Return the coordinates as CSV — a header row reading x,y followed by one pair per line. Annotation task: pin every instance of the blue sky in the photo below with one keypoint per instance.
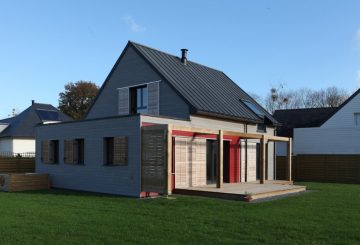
x,y
45,44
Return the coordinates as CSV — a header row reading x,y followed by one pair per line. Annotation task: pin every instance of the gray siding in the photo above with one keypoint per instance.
x,y
93,175
133,70
171,104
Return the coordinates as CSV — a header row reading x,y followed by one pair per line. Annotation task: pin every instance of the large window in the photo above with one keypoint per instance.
x,y
357,119
50,151
139,100
74,151
116,151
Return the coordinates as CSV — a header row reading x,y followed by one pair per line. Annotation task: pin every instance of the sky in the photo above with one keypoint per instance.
x,y
258,44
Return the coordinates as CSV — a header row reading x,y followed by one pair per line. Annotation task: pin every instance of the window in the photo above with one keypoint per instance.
x,y
261,127
74,151
116,151
357,119
50,151
139,100
256,109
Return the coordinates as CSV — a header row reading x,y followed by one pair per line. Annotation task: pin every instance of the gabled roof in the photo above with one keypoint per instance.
x,y
208,91
343,104
23,125
301,118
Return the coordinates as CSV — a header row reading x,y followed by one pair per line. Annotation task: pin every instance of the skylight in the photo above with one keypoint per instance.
x,y
47,115
254,108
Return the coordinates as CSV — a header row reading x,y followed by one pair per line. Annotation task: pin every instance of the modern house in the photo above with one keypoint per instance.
x,y
161,122
338,135
299,118
17,134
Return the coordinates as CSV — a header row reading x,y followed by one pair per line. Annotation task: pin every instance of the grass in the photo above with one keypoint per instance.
x,y
328,215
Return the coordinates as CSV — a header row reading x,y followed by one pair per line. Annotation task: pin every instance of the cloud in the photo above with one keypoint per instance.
x,y
134,27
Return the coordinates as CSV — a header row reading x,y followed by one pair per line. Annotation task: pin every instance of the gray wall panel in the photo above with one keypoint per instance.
x,y
94,176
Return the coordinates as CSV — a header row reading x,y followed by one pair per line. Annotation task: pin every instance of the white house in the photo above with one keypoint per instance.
x,y
17,134
338,135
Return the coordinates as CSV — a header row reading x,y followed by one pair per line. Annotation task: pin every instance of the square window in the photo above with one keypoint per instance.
x,y
50,151
116,151
74,151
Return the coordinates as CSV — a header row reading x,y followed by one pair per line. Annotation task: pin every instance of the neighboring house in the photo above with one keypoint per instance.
x,y
339,134
156,124
17,134
299,118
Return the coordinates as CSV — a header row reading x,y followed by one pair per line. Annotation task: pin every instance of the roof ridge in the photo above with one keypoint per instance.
x,y
189,61
311,108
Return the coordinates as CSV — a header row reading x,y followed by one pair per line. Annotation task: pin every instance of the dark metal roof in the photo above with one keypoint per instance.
x,y
207,91
301,118
23,125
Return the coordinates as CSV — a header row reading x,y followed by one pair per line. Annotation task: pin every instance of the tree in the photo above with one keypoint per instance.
x,y
280,98
77,98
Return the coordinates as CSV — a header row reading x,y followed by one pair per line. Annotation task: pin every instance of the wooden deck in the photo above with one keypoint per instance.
x,y
243,191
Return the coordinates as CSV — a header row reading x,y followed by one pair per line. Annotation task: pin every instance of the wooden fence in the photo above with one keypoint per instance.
x,y
322,168
17,165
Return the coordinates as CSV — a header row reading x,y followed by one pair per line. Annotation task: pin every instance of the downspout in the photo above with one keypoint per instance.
x,y
246,154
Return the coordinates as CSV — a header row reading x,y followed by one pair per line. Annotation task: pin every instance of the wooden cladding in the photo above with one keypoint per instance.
x,y
154,159
322,168
17,165
123,106
50,151
116,151
74,151
153,98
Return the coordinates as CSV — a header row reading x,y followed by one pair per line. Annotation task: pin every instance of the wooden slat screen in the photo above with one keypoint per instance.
x,y
123,101
120,151
153,98
69,151
45,151
153,162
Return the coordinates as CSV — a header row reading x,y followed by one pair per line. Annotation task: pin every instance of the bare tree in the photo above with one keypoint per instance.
x,y
281,98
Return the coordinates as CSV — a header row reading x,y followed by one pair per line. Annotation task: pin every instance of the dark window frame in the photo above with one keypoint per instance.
x,y
53,150
109,152
261,127
134,107
80,158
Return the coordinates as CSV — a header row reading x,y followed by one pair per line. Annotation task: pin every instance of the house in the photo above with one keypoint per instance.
x,y
299,118
17,134
160,122
339,134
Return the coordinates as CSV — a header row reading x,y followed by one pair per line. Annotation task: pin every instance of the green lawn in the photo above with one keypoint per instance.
x,y
329,214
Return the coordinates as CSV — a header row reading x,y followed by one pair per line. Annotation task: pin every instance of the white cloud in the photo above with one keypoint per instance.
x,y
134,27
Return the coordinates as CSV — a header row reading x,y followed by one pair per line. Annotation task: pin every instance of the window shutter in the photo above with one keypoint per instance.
x,y
45,151
123,101
68,151
153,98
120,150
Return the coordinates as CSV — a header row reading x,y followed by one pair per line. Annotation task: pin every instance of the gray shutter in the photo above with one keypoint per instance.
x,y
123,101
45,151
153,98
120,150
68,151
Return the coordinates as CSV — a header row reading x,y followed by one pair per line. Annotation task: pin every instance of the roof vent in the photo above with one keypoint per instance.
x,y
32,102
184,55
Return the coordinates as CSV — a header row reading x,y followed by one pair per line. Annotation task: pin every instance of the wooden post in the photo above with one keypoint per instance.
x,y
220,159
169,160
262,159
289,159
